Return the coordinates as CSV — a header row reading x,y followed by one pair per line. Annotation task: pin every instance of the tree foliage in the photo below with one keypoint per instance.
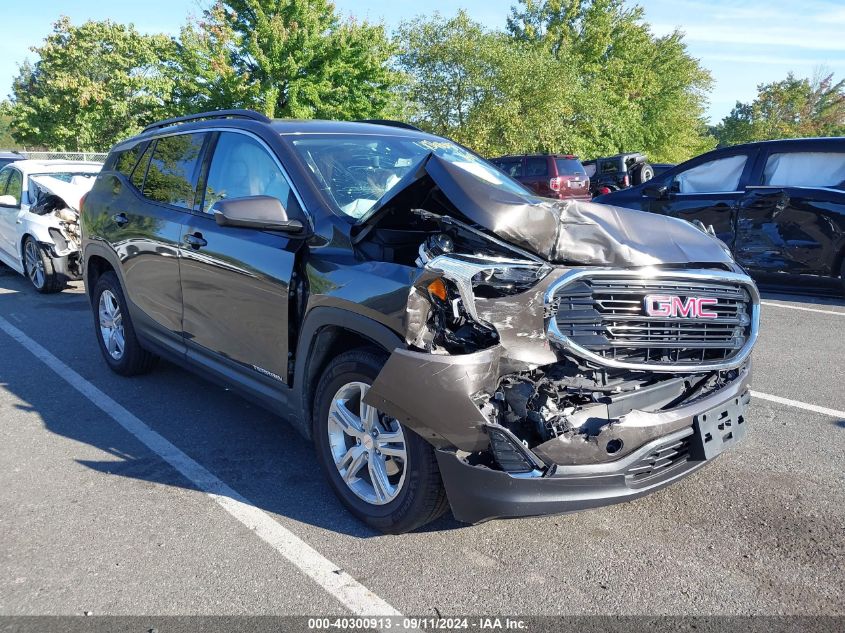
x,y
793,107
582,76
91,85
299,59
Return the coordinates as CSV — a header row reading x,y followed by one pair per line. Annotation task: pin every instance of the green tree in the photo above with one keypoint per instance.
x,y
793,107
92,85
646,92
7,140
298,58
205,74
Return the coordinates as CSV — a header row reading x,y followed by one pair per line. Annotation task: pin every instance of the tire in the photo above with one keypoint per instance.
x,y
414,495
642,173
109,307
38,268
842,275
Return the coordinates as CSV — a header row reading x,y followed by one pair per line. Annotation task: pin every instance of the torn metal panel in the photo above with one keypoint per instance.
x,y
630,431
433,395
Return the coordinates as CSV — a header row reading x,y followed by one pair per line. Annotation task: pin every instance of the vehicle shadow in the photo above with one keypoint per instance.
x,y
252,450
783,295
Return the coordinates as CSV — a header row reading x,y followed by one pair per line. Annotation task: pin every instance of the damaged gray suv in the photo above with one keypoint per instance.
x,y
445,337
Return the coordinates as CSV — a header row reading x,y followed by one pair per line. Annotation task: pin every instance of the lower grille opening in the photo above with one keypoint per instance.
x,y
659,460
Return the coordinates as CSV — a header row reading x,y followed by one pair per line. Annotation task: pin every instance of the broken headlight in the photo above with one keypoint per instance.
x,y
507,280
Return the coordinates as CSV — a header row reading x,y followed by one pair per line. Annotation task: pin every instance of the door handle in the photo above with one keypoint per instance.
x,y
195,240
120,219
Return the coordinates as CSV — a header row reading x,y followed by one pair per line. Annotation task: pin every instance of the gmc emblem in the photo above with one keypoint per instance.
x,y
672,306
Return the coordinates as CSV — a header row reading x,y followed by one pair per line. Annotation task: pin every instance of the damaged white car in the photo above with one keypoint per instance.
x,y
39,219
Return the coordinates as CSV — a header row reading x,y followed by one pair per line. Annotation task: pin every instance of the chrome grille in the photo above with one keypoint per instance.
x,y
601,315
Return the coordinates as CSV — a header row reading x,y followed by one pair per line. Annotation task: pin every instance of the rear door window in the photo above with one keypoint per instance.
x,y
536,166
172,174
716,176
805,169
570,167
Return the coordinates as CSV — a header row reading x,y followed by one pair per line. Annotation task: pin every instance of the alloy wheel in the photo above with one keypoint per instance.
x,y
368,447
111,325
34,265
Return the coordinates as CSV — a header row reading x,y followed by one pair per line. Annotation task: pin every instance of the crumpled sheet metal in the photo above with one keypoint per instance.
x,y
634,429
572,231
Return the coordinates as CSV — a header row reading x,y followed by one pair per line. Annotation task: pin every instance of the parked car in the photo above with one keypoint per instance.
x,y
444,336
7,157
612,173
778,205
39,219
559,176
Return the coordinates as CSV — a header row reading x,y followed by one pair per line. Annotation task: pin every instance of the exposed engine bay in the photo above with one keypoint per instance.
x,y
62,200
476,292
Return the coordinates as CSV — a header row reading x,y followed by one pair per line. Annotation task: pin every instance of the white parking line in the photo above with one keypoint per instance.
x,y
781,305
352,594
800,405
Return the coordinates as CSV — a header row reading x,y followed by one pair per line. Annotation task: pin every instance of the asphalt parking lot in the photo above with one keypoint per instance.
x,y
93,519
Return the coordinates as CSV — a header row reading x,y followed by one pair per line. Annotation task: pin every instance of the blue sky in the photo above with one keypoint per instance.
x,y
742,43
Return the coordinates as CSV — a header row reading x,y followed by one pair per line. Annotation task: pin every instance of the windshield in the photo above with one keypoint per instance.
x,y
355,171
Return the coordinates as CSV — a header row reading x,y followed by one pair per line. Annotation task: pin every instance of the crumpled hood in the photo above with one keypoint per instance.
x,y
70,192
572,231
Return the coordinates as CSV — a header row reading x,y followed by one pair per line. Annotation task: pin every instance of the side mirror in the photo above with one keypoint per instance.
x,y
8,201
656,191
264,213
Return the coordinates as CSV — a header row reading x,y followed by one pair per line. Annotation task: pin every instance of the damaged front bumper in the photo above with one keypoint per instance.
x,y
440,398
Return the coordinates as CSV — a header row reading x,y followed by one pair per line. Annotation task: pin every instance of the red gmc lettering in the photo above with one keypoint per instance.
x,y
673,306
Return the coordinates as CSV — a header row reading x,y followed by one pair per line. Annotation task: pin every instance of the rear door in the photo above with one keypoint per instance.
x,y
793,223
708,191
235,281
154,194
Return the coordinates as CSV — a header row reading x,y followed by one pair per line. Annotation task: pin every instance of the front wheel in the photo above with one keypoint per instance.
x,y
38,268
384,473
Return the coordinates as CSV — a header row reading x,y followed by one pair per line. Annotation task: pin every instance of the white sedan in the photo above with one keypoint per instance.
x,y
39,219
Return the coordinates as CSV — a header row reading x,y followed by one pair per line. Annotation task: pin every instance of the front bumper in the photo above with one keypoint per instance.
x,y
436,396
477,493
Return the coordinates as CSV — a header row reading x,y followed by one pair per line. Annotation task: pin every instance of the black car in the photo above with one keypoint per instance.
x,y
442,334
7,157
778,205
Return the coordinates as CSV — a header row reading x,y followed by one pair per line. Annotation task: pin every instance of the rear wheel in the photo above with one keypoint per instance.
x,y
38,268
384,473
115,333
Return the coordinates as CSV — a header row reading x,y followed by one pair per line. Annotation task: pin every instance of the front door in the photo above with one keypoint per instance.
x,y
707,192
235,281
11,184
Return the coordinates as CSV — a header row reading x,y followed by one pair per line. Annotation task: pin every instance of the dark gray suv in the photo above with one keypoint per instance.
x,y
443,335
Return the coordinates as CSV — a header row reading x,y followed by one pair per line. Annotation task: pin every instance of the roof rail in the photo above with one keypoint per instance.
x,y
219,114
401,124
